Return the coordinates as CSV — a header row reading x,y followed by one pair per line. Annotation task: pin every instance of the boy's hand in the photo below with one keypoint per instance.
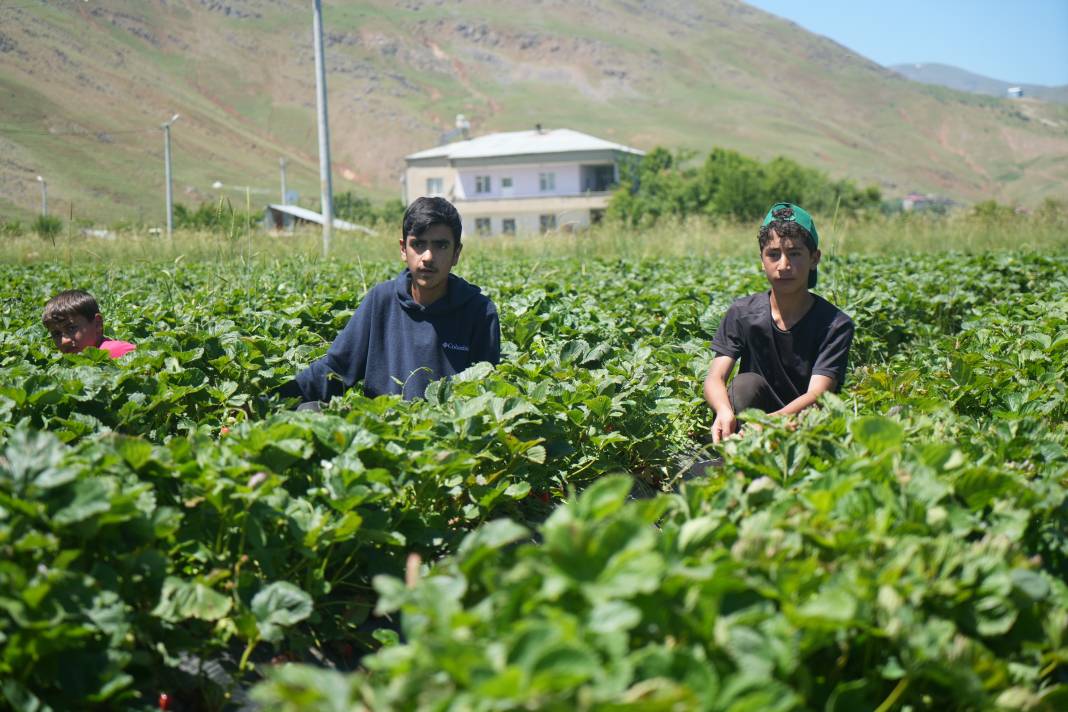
x,y
724,425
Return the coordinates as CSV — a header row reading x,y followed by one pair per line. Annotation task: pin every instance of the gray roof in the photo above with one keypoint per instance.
x,y
522,143
312,216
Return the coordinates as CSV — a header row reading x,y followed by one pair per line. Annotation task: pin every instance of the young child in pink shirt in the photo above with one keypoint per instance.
x,y
74,322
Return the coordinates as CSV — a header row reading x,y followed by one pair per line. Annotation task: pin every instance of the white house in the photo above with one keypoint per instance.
x,y
521,181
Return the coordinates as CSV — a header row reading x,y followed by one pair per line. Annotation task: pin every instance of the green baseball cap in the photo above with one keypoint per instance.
x,y
800,216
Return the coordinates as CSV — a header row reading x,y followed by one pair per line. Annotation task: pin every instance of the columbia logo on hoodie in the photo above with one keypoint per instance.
x,y
455,347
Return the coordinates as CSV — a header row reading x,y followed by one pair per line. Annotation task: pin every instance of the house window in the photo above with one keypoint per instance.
x,y
598,179
548,222
435,186
482,184
507,189
508,226
483,226
546,182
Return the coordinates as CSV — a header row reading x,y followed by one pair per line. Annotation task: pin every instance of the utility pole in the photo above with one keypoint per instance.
x,y
44,196
282,165
326,186
167,175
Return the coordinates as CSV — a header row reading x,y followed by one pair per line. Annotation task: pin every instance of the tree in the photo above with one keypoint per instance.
x,y
727,184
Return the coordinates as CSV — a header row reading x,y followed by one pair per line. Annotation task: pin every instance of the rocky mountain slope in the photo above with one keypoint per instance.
x,y
84,87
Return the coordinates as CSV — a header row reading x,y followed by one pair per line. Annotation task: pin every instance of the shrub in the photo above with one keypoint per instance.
x,y
47,226
213,217
992,211
358,209
12,228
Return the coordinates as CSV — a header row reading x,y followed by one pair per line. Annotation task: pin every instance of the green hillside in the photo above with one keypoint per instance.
x,y
84,87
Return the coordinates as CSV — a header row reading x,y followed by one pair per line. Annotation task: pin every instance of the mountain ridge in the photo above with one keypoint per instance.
x,y
84,88
951,77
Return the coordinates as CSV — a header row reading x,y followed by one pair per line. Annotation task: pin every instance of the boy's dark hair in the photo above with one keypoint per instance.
x,y
424,212
67,304
786,229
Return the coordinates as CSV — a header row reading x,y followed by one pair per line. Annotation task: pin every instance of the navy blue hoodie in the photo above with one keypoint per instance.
x,y
392,338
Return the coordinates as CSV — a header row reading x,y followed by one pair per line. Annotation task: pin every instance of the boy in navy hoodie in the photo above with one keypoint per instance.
x,y
424,325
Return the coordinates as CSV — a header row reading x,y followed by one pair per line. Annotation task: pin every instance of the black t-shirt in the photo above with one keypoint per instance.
x,y
818,344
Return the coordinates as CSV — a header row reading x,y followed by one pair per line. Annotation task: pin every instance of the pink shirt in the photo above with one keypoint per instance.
x,y
116,349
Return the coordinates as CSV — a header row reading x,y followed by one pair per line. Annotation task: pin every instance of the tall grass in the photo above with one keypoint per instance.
x,y
691,237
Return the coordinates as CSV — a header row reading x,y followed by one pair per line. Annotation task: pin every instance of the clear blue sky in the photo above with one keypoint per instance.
x,y
1022,41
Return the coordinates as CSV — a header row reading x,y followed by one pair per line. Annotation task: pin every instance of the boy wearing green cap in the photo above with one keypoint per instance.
x,y
793,344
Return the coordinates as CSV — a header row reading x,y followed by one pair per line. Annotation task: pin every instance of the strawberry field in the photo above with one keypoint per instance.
x,y
523,538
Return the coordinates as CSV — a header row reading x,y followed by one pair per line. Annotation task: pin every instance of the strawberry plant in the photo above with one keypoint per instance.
x,y
167,531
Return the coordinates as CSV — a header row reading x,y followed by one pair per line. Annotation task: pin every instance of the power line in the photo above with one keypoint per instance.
x,y
82,132
294,161
39,3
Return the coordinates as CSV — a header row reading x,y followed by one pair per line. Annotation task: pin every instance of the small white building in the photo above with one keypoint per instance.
x,y
521,181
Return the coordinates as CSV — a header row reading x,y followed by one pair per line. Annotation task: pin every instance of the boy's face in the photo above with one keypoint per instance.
x,y
431,256
76,333
787,264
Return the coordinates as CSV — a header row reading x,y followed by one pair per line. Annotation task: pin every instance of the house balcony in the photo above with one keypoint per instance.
x,y
533,204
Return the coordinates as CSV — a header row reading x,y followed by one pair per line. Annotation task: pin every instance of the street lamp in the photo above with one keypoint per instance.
x,y
219,185
167,174
44,195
